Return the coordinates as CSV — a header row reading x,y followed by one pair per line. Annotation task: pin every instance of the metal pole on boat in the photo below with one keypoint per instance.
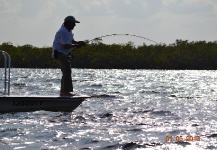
x,y
7,65
5,72
9,70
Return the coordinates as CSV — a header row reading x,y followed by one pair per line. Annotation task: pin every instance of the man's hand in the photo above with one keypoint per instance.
x,y
78,44
82,43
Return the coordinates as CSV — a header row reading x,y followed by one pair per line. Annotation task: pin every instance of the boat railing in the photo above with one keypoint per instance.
x,y
7,66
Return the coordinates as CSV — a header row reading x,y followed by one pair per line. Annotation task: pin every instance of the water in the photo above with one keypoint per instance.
x,y
129,109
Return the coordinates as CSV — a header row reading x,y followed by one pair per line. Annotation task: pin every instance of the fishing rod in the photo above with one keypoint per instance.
x,y
132,35
71,57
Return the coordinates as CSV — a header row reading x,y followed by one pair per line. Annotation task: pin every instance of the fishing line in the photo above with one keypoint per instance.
x,y
132,35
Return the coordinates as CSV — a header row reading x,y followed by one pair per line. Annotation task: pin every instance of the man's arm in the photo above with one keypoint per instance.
x,y
80,43
75,44
69,46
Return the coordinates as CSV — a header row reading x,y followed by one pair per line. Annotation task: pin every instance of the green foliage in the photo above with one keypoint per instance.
x,y
27,56
179,55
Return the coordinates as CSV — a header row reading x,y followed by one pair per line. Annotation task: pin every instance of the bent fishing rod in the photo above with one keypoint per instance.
x,y
132,35
71,57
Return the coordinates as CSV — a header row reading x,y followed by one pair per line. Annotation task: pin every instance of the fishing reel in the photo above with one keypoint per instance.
x,y
80,44
70,56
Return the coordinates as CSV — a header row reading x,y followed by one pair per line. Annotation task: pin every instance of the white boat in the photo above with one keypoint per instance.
x,y
29,103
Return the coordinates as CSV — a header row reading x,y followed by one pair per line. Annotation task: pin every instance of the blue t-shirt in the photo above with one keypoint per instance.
x,y
63,36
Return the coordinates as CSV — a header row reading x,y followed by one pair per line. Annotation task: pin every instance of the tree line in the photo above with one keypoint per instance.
x,y
182,54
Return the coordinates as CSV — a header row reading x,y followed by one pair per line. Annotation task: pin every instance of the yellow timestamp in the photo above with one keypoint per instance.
x,y
180,138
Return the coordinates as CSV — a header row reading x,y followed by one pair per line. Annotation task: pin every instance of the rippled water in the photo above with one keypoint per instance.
x,y
128,109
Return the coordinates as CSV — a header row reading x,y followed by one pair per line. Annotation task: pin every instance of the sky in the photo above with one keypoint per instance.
x,y
35,22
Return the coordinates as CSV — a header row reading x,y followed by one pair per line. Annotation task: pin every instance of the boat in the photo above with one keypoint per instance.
x,y
47,103
17,103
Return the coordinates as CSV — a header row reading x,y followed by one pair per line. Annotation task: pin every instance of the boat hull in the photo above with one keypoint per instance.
x,y
47,103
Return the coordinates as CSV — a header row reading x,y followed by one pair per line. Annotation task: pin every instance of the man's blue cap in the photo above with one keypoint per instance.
x,y
71,19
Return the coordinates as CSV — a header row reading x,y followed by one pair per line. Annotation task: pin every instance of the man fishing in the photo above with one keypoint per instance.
x,y
63,45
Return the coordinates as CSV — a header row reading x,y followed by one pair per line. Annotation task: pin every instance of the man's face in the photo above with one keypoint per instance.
x,y
71,25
